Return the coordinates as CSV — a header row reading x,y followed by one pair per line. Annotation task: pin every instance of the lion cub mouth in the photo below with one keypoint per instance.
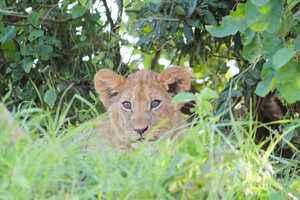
x,y
142,139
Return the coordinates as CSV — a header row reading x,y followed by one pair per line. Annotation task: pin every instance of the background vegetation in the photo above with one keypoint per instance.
x,y
50,51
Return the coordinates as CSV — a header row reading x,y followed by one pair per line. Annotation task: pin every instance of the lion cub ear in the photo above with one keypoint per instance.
x,y
107,85
175,80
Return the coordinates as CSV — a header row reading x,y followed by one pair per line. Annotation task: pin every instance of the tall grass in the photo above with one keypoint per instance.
x,y
210,163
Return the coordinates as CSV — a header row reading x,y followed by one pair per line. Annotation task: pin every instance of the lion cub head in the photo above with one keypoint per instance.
x,y
142,100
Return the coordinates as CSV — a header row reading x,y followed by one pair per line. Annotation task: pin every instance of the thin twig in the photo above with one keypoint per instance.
x,y
15,24
42,19
108,15
48,12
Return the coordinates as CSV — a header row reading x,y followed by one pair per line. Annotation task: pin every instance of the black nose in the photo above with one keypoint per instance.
x,y
141,130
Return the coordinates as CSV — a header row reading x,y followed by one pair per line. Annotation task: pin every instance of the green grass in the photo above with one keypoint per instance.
x,y
208,164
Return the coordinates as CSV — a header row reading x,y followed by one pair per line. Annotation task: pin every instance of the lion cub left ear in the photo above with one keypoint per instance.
x,y
175,80
107,85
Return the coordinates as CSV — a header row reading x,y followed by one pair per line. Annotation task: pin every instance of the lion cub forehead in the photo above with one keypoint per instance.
x,y
144,75
141,78
142,83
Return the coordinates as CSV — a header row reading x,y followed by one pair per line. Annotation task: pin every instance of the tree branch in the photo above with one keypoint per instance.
x,y
108,15
42,19
120,13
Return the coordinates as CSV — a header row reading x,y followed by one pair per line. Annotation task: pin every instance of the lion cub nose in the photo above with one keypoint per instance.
x,y
141,130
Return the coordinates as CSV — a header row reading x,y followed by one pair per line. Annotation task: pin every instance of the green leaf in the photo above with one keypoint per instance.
x,y
109,63
288,81
263,18
240,11
247,36
179,10
43,51
82,38
27,93
183,97
35,34
17,74
8,35
259,2
267,67
192,6
50,97
9,49
34,18
227,27
188,33
207,94
282,56
297,45
264,86
144,39
27,64
78,11
270,44
210,18
253,50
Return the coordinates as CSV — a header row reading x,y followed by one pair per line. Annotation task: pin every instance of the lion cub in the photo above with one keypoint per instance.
x,y
8,125
136,104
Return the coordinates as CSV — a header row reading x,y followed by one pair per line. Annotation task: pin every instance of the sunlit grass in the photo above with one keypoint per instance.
x,y
208,164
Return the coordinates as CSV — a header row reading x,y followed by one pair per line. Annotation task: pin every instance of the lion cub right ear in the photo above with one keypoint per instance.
x,y
107,85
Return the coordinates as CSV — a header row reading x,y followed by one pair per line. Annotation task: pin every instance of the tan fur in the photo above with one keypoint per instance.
x,y
140,89
9,124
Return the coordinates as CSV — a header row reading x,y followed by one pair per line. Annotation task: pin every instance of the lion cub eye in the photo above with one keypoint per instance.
x,y
154,104
126,105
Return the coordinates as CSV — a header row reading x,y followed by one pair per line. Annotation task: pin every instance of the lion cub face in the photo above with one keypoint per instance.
x,y
138,103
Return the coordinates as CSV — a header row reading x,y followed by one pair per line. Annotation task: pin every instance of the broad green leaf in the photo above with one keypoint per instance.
x,y
9,49
144,39
264,86
8,35
109,63
27,93
267,67
210,18
260,2
192,6
86,3
207,94
35,34
239,19
43,51
290,91
188,33
50,97
27,64
78,11
288,81
183,97
253,50
227,27
17,74
270,44
297,45
82,38
180,11
240,11
247,36
264,18
282,56
34,18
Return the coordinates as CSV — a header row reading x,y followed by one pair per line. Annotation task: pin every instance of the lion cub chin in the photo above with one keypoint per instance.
x,y
139,107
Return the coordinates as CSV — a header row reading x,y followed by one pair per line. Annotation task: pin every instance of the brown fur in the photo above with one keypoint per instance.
x,y
9,124
140,89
